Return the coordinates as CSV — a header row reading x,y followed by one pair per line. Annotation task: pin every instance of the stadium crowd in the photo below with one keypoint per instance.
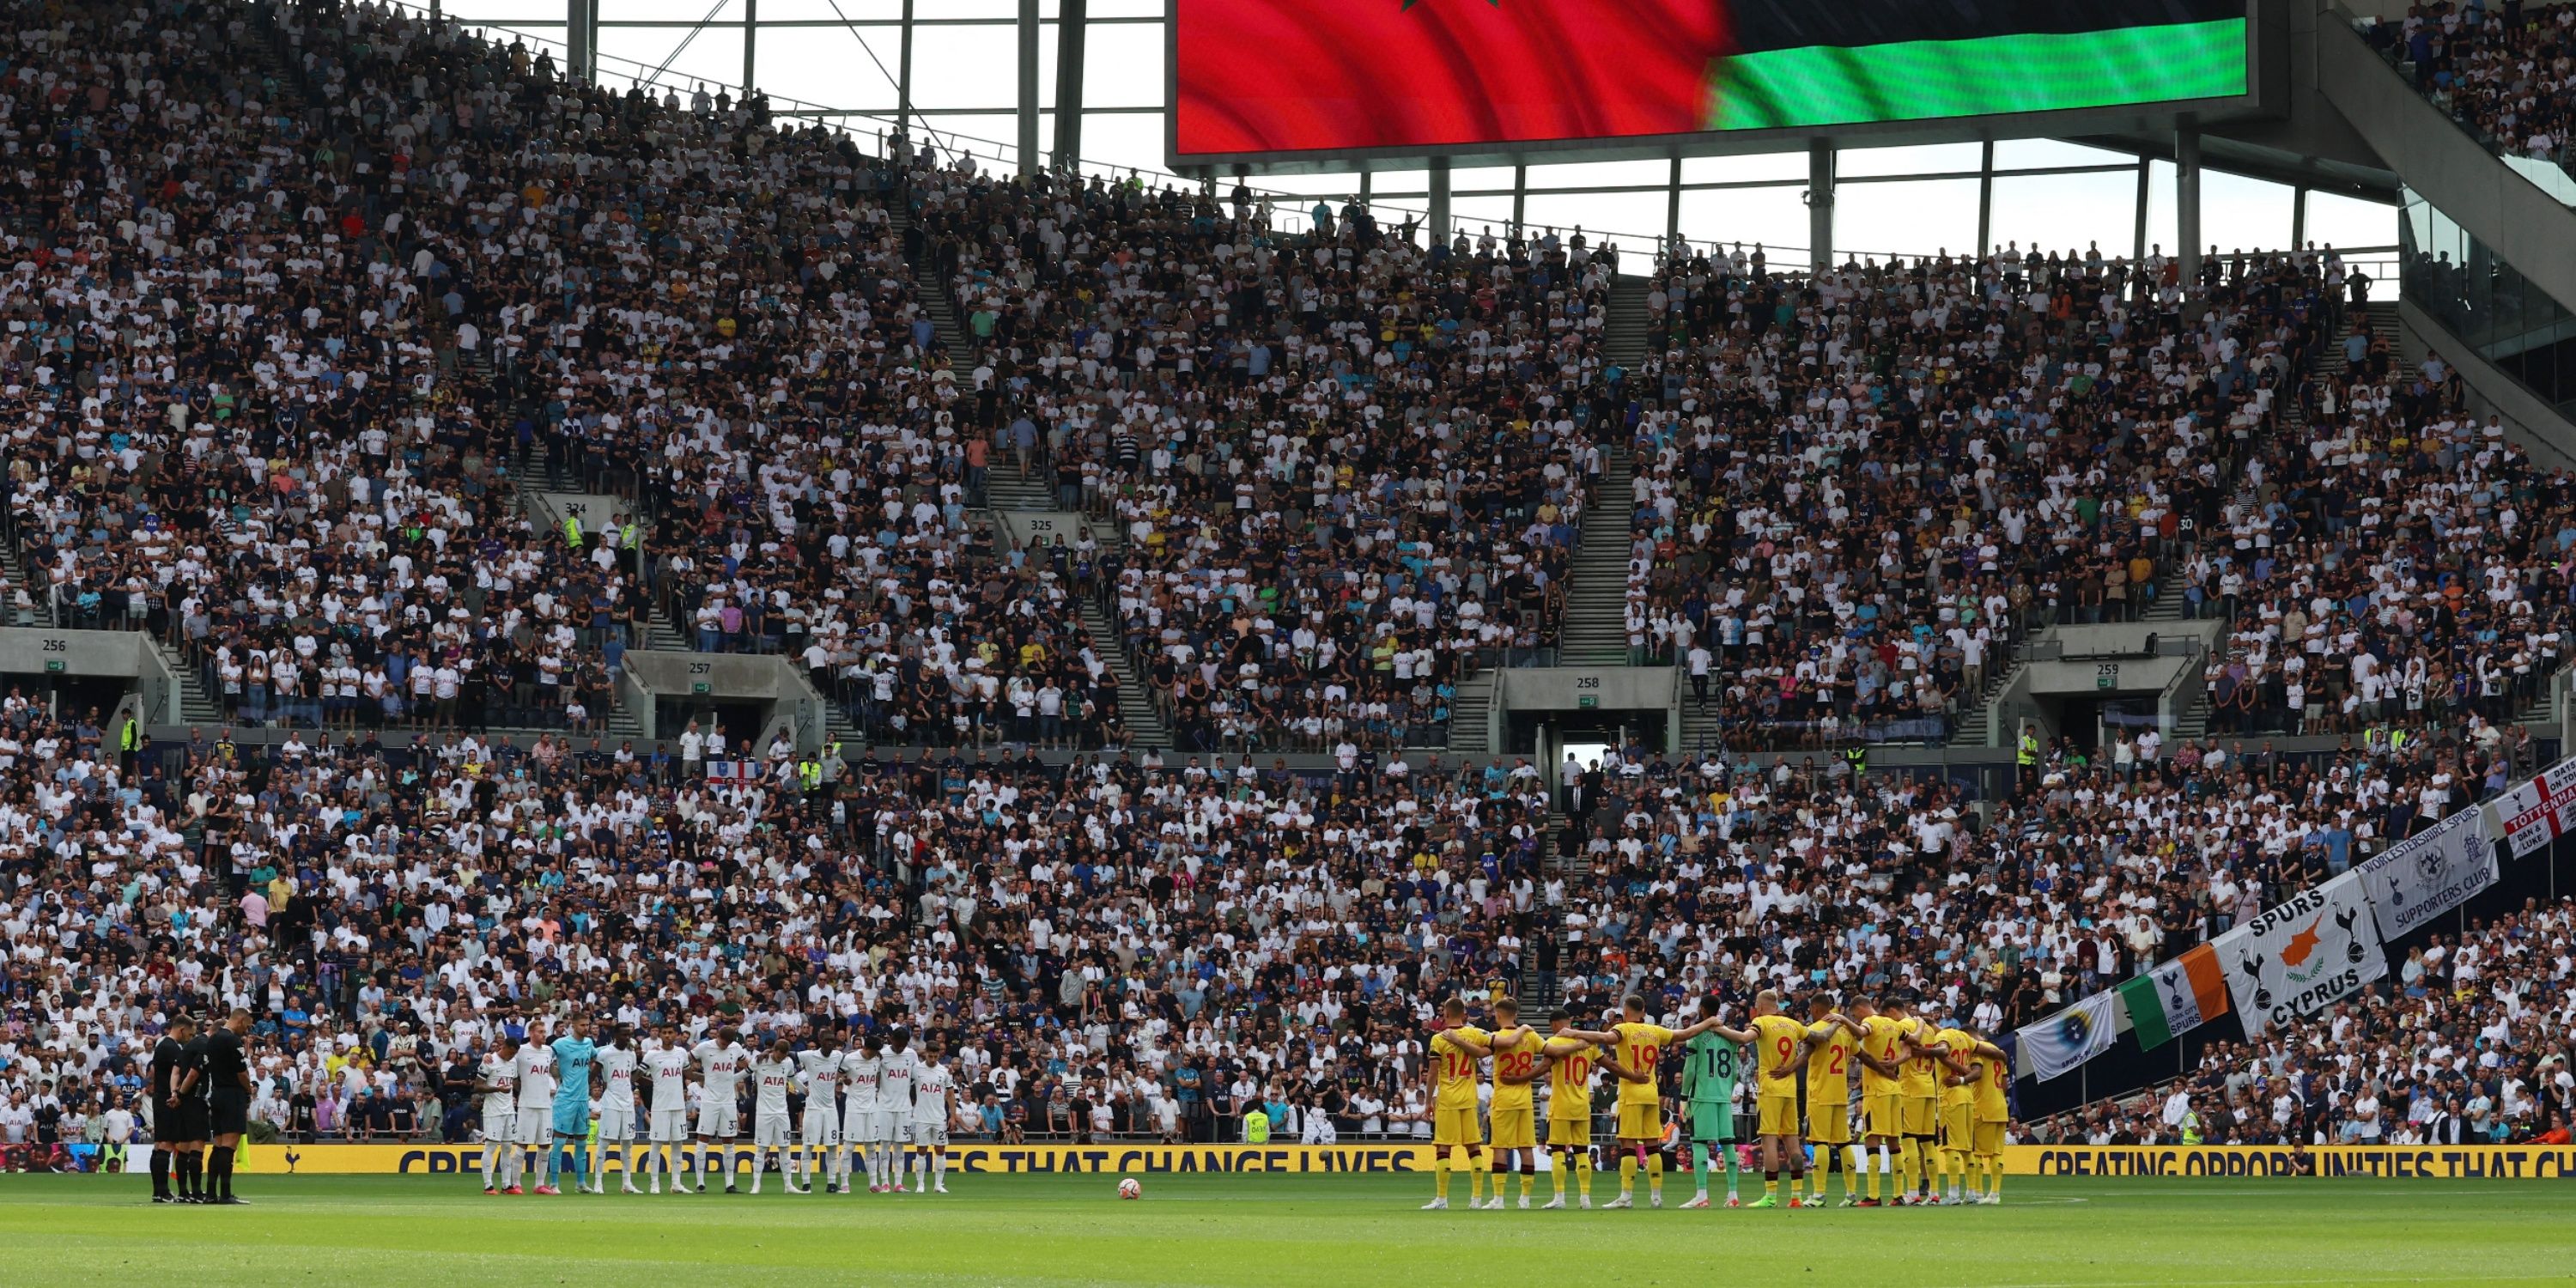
x,y
2499,70
284,359
2466,1043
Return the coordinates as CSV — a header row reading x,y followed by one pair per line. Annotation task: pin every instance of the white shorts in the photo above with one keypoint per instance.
x,y
822,1127
929,1133
500,1129
669,1126
716,1118
616,1126
859,1126
536,1127
769,1131
890,1127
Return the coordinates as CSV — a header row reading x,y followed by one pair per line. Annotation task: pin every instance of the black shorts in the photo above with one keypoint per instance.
x,y
185,1121
227,1114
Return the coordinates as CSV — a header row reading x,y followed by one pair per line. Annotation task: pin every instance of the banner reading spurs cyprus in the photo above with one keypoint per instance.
x,y
2304,955
1285,76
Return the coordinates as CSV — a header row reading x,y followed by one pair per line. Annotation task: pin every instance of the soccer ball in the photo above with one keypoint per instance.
x,y
1129,1189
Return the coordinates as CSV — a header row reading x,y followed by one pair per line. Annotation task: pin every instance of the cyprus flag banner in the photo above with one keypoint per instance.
x,y
2310,952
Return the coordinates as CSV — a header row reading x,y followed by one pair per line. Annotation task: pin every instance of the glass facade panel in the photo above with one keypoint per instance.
x,y
2487,304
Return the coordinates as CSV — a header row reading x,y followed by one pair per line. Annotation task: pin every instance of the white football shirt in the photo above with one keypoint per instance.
x,y
617,1065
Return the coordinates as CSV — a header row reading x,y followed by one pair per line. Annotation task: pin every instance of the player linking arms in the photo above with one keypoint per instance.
x,y
1641,1127
1567,1059
1449,1070
1972,1073
1709,1070
1779,1044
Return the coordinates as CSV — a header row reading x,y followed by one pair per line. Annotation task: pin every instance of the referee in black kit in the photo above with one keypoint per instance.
x,y
178,1104
227,1102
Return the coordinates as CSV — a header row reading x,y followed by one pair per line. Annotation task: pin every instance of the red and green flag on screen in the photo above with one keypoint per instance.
x,y
1311,75
2176,997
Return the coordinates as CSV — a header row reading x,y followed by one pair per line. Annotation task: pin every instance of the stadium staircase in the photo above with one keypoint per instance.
x,y
41,595
197,707
1623,338
1470,714
1594,628
1007,489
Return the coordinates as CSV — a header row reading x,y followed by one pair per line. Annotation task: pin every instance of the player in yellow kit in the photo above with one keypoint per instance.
x,y
1569,1057
1949,1046
1832,1053
1451,1070
1513,1112
1779,1042
1882,1067
1918,1096
1640,1045
1992,1070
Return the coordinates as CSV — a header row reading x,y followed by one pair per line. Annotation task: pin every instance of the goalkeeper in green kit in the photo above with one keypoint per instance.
x,y
1708,1099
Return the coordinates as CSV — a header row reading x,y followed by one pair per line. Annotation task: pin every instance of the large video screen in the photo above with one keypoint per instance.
x,y
1290,76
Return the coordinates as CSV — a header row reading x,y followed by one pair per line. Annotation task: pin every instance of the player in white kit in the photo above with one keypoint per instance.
x,y
497,1081
772,1075
667,1123
859,1066
617,1062
536,1061
722,1065
895,1071
819,1135
931,1089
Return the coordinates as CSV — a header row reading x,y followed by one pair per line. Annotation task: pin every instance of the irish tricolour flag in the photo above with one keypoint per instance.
x,y
2176,997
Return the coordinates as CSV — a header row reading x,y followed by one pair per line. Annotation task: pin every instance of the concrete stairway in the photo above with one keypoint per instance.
x,y
1624,339
1594,631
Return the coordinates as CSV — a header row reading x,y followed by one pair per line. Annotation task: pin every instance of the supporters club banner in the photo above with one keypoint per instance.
x,y
2430,873
2308,953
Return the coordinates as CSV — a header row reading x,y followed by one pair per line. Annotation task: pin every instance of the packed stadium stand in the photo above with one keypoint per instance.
x,y
316,312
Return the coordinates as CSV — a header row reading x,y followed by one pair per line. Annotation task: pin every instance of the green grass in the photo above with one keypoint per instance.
x,y
1023,1230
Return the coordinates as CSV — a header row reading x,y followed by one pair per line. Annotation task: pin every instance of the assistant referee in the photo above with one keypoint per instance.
x,y
178,1108
228,1103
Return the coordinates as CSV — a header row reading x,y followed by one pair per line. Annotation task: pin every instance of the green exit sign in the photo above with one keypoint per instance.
x,y
1587,701
701,687
53,666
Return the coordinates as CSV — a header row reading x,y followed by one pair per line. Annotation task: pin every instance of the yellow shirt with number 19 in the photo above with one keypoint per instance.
x,y
1640,1046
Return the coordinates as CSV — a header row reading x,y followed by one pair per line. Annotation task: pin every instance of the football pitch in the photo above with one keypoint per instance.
x,y
1300,1230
